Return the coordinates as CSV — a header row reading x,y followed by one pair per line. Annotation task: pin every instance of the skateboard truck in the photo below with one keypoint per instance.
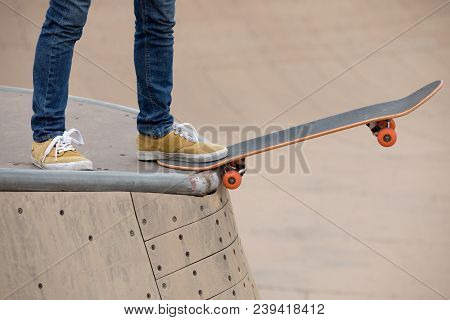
x,y
234,171
385,132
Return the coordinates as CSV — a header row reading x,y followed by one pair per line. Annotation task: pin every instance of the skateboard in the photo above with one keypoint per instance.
x,y
379,118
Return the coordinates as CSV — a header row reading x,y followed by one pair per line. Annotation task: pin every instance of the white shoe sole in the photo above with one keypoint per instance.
x,y
72,166
186,157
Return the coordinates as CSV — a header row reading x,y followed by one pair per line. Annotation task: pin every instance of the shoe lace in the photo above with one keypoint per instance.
x,y
187,131
64,143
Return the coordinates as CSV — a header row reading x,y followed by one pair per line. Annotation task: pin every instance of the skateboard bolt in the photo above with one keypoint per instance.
x,y
231,180
387,138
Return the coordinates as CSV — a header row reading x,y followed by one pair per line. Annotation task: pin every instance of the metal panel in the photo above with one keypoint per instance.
x,y
193,242
241,291
161,213
206,278
72,246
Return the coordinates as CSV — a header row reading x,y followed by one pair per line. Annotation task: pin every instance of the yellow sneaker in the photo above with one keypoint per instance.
x,y
60,154
182,143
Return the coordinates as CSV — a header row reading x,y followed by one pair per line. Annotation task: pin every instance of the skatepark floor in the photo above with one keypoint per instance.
x,y
338,217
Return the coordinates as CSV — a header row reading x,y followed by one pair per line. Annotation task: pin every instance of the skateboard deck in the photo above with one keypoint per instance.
x,y
379,116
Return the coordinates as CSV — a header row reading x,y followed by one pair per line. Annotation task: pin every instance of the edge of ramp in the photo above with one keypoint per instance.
x,y
29,180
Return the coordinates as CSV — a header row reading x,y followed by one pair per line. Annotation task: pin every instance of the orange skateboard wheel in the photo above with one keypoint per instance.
x,y
232,179
392,124
387,137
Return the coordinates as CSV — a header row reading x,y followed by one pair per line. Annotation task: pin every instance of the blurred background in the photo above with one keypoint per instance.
x,y
343,218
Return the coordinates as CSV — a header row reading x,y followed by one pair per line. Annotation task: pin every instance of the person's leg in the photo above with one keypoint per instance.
x,y
158,137
153,59
63,26
52,146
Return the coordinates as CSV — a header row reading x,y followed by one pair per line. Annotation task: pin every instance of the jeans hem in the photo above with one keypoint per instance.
x,y
40,139
156,133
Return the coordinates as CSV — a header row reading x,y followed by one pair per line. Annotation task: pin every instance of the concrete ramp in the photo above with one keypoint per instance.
x,y
140,232
117,245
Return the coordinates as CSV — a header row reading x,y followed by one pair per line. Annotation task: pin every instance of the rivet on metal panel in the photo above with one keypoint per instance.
x,y
159,268
187,254
174,219
153,247
224,257
131,233
234,251
221,199
217,221
180,237
194,272
220,240
164,285
40,286
20,211
234,293
202,208
90,238
144,221
225,213
244,284
149,295
61,212
229,278
200,292
239,269
229,233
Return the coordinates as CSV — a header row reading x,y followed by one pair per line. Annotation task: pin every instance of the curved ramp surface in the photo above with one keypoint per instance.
x,y
121,246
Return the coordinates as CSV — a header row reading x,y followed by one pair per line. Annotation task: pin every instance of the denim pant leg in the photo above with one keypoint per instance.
x,y
63,26
153,59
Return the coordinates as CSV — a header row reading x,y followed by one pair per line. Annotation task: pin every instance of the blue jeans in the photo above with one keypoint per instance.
x,y
153,59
